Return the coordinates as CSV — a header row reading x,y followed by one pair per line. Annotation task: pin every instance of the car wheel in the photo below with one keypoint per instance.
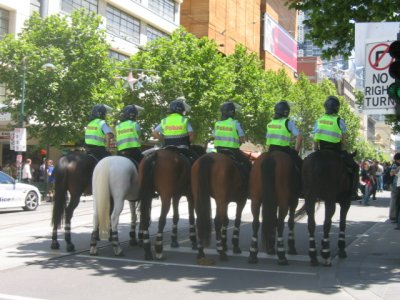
x,y
31,201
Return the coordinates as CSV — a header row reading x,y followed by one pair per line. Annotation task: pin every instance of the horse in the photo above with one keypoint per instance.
x,y
115,179
325,177
274,184
217,175
73,174
166,172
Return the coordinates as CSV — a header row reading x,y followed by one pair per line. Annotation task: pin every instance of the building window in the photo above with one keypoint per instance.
x,y
165,8
35,6
123,25
153,33
4,22
117,56
70,5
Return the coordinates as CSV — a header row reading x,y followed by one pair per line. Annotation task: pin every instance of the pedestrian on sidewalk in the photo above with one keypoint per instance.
x,y
366,181
393,188
27,171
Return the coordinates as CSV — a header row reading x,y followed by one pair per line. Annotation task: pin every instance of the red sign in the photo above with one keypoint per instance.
x,y
379,57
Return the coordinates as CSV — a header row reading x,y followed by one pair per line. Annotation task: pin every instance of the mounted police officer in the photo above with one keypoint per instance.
x,y
229,135
280,132
128,134
330,134
175,130
97,133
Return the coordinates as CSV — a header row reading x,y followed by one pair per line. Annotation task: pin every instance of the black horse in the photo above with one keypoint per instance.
x,y
325,177
73,174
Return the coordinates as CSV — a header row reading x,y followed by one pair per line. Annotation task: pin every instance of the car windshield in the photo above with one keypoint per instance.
x,y
4,178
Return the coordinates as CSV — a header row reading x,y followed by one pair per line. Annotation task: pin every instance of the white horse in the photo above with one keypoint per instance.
x,y
115,179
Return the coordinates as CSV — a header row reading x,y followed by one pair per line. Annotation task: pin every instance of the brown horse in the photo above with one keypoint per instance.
x,y
273,184
166,172
73,174
325,177
217,175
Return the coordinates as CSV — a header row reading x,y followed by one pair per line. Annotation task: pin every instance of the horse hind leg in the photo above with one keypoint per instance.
x,y
74,201
326,251
165,206
253,251
175,220
118,207
218,223
342,227
132,233
282,260
236,230
312,249
192,227
291,241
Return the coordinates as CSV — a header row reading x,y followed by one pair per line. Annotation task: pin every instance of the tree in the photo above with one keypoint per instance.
x,y
332,22
57,103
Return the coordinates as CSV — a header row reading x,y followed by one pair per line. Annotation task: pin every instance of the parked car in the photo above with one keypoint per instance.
x,y
16,194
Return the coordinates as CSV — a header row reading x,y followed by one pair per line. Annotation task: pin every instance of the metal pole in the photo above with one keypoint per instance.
x,y
44,8
21,115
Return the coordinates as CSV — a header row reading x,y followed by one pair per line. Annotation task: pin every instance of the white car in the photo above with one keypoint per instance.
x,y
15,194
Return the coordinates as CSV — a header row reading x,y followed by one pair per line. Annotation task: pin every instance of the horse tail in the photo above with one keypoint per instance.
x,y
203,203
60,192
269,204
101,197
147,186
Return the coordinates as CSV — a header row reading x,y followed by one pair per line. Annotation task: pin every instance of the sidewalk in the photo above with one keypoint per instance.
x,y
372,268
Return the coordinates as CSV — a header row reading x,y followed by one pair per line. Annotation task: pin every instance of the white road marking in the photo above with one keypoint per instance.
x,y
12,297
145,262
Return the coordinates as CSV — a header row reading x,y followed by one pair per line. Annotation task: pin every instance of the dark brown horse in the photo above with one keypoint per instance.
x,y
217,175
325,177
273,184
73,174
166,172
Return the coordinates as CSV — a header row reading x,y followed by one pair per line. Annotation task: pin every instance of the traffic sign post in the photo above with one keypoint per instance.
x,y
377,80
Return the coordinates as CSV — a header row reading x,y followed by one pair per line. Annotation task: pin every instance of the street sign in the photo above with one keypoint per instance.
x,y
377,79
12,140
20,139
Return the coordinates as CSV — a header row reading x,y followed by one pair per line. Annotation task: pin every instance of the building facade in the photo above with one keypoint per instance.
x,y
129,24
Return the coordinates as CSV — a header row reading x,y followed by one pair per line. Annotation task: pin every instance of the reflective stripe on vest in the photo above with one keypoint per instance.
x,y
127,136
328,129
94,134
226,134
175,130
277,133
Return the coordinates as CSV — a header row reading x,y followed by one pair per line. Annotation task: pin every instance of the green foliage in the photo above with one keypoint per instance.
x,y
58,102
332,22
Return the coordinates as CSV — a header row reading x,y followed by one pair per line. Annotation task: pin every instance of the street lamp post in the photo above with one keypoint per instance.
x,y
21,117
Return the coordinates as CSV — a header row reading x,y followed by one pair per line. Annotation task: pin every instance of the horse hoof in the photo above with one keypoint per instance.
x,y
174,244
93,252
271,251
237,250
203,261
159,256
133,242
55,245
342,254
252,259
292,252
283,262
119,253
70,248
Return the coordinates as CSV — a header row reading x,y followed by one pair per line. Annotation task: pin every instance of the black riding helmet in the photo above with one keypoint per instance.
x,y
396,156
129,112
99,111
282,109
176,106
228,110
332,105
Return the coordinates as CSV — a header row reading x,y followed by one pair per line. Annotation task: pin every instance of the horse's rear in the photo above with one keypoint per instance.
x,y
115,179
166,172
325,177
73,174
273,184
216,175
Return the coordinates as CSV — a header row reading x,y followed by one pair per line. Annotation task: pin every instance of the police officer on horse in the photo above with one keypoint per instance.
x,y
175,130
280,132
330,134
97,133
229,135
128,134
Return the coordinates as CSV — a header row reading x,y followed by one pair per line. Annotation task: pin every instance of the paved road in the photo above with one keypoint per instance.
x,y
29,269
